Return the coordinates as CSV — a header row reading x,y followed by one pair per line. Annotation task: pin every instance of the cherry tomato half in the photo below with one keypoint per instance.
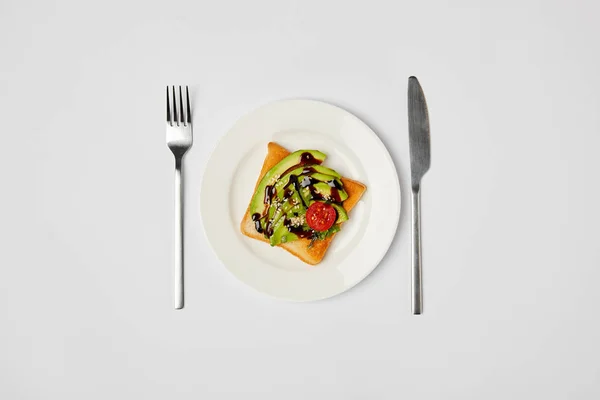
x,y
320,216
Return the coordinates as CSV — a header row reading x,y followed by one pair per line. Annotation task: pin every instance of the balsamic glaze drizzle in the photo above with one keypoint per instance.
x,y
306,182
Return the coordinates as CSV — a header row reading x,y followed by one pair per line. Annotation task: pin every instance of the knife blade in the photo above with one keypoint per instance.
x,y
420,160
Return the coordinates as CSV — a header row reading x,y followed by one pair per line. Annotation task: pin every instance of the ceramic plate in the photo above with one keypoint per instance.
x,y
352,149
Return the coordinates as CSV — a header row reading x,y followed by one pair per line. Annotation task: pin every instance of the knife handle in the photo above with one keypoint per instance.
x,y
417,284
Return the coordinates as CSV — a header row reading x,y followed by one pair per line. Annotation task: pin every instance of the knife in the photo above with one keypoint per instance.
x,y
420,159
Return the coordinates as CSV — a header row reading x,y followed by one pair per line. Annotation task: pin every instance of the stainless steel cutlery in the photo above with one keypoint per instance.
x,y
179,140
420,159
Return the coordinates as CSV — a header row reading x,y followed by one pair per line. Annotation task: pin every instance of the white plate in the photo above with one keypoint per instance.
x,y
352,149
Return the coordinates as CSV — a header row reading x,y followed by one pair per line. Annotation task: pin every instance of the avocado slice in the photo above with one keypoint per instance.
x,y
301,184
341,213
306,195
307,170
326,171
290,205
279,230
330,180
261,200
317,172
326,191
281,234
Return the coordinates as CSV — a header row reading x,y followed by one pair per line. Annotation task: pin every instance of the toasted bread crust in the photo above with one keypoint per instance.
x,y
299,248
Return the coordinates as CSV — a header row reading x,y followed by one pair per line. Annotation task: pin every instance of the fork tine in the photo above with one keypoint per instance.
x,y
181,115
189,114
175,119
168,108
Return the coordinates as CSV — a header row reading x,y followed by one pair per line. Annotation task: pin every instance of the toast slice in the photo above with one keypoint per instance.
x,y
299,248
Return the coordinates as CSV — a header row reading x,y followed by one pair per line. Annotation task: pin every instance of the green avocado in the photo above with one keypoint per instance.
x,y
260,202
306,195
326,171
279,230
281,234
317,171
283,186
326,179
342,215
290,205
325,190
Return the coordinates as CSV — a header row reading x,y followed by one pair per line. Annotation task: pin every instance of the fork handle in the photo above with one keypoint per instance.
x,y
178,268
417,284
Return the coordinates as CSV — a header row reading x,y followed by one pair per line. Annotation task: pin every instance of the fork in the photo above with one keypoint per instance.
x,y
179,140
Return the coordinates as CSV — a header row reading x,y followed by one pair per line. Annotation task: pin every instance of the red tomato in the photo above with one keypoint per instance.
x,y
320,216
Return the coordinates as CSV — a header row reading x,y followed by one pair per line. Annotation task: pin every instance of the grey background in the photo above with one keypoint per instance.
x,y
510,204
